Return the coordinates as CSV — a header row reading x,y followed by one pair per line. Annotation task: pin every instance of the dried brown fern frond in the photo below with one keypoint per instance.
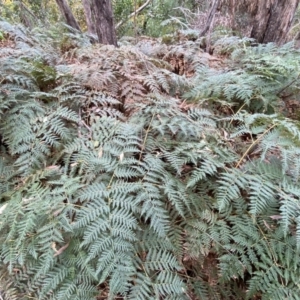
x,y
125,73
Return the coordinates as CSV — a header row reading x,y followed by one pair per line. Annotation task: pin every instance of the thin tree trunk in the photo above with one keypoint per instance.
x,y
67,13
232,14
26,16
102,16
273,20
210,17
88,16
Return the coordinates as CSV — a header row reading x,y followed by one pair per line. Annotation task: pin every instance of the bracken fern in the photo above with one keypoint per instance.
x,y
111,185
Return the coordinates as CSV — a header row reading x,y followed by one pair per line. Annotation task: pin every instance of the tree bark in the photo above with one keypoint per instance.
x,y
67,14
88,16
273,20
102,16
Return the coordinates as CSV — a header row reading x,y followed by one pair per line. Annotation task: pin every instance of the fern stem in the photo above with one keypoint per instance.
x,y
145,138
237,112
268,243
253,144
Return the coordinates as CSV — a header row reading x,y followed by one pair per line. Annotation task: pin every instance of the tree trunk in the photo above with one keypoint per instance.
x,y
272,20
102,17
233,7
67,13
26,16
88,16
211,16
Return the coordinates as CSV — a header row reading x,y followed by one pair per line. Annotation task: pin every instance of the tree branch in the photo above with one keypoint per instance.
x,y
133,14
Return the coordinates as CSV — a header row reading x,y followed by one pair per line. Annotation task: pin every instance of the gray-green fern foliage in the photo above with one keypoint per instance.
x,y
112,186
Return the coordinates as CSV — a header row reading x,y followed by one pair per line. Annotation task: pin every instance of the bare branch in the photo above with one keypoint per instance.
x,y
133,14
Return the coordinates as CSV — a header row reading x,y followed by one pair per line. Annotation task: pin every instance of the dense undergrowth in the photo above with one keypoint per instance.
x,y
148,171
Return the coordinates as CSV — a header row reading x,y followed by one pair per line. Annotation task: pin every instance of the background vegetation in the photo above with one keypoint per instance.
x,y
154,170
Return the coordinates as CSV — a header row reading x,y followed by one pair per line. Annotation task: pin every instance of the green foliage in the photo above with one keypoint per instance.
x,y
157,19
111,184
258,78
